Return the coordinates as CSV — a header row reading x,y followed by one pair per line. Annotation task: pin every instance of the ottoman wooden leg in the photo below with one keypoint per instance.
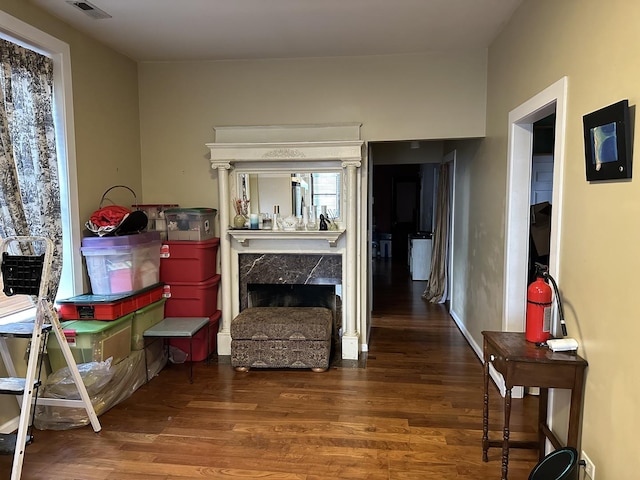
x,y
241,369
319,370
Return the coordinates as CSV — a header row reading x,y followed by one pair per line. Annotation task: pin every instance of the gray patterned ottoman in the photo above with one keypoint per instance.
x,y
281,337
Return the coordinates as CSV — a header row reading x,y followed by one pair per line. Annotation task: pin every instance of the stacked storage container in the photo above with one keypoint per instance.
x,y
155,215
122,264
193,224
101,326
127,299
188,265
93,341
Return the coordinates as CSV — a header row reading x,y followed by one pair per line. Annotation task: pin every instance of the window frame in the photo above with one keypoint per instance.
x,y
336,194
17,31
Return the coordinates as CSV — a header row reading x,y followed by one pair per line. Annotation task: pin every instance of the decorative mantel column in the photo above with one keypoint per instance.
x,y
224,333
350,336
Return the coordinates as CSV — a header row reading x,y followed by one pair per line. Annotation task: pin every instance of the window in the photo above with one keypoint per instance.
x,y
325,188
29,37
14,305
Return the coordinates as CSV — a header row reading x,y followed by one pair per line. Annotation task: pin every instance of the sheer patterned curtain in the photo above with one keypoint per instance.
x,y
436,291
29,182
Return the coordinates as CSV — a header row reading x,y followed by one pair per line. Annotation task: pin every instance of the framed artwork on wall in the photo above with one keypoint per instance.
x,y
607,142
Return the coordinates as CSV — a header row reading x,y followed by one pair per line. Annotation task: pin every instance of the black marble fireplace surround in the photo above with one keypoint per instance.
x,y
284,295
286,269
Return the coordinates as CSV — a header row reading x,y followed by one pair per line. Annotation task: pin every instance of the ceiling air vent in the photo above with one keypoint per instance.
x,y
89,9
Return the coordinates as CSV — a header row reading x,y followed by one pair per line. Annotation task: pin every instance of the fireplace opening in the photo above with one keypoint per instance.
x,y
297,295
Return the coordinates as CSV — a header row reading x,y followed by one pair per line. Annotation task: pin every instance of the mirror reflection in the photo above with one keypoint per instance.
x,y
290,193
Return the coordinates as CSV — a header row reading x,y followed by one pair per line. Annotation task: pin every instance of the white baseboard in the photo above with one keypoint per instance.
x,y
516,392
10,426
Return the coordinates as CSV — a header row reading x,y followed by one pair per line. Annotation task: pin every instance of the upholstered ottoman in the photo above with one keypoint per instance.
x,y
281,337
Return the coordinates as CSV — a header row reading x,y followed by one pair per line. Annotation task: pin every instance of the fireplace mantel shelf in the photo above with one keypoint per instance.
x,y
244,236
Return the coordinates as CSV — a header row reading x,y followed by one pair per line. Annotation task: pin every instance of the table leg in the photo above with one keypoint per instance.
x,y
505,437
146,364
191,359
575,409
543,402
208,344
485,411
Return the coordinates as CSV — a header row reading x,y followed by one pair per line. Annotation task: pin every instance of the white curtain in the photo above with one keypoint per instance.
x,y
436,291
29,186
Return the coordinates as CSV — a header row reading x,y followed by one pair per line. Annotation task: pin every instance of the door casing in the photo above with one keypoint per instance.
x,y
520,150
520,156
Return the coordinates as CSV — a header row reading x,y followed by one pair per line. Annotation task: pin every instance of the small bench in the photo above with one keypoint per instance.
x,y
281,337
178,327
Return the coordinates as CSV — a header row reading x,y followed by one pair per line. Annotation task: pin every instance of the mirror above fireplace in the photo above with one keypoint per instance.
x,y
290,191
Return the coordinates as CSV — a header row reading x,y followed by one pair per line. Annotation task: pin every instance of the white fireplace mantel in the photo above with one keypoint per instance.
x,y
267,155
298,147
245,236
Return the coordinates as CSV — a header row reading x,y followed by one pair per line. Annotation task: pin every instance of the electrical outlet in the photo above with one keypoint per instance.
x,y
589,467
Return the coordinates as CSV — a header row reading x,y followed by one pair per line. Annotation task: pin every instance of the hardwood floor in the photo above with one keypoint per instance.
x,y
414,412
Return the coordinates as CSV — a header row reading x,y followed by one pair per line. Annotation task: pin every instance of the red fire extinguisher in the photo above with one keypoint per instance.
x,y
538,325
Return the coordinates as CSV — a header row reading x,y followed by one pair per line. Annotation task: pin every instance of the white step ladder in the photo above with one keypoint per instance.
x,y
28,275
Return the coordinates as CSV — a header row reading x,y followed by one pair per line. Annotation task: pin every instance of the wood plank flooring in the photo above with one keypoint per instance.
x,y
414,412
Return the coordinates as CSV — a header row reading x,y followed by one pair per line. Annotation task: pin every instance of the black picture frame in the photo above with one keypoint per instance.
x,y
607,143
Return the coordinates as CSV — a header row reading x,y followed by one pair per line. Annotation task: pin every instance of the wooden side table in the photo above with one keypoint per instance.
x,y
522,363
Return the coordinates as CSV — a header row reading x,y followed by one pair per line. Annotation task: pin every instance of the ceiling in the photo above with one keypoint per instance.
x,y
193,30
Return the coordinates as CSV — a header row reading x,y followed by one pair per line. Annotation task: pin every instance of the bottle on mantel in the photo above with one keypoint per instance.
x,y
276,217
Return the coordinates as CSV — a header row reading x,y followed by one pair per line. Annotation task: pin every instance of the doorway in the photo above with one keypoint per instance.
x,y
541,193
402,189
521,120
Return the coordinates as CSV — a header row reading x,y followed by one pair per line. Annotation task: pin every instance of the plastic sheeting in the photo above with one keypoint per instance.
x,y
107,386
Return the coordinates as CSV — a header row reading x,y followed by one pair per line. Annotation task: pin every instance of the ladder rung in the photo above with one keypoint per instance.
x,y
14,385
8,443
20,329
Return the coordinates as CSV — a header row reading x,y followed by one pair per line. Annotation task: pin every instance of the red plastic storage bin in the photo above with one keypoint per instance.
x,y
187,261
199,346
192,299
107,307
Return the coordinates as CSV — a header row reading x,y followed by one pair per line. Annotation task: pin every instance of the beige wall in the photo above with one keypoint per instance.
x,y
105,91
394,97
596,45
389,153
463,295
